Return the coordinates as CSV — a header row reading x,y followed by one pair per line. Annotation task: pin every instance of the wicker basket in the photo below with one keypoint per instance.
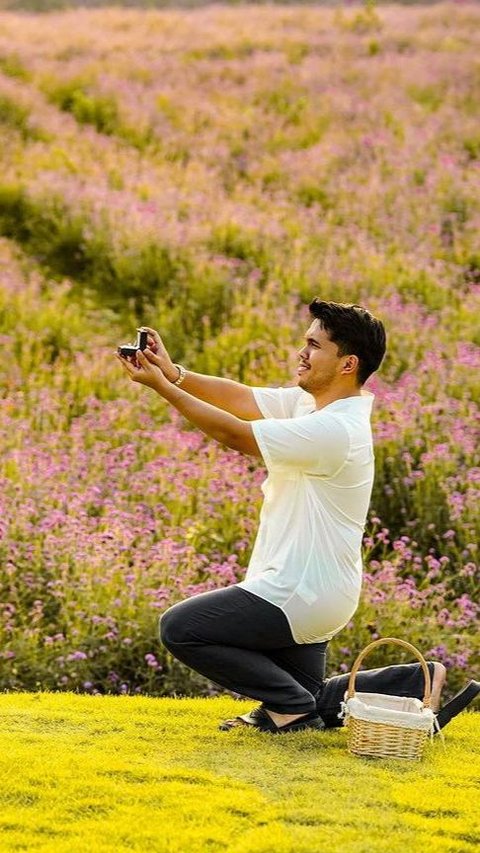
x,y
387,726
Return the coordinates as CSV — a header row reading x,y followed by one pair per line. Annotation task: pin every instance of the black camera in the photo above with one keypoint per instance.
x,y
127,350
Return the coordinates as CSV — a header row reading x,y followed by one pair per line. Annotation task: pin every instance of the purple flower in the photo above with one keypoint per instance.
x,y
77,656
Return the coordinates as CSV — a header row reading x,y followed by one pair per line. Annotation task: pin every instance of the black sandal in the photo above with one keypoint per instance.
x,y
259,719
458,703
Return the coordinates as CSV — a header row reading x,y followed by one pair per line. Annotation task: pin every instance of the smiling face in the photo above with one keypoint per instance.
x,y
321,367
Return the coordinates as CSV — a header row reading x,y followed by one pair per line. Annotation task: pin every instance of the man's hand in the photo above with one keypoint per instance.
x,y
158,348
220,425
146,370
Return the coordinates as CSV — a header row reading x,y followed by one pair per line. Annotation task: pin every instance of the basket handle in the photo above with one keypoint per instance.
x,y
380,642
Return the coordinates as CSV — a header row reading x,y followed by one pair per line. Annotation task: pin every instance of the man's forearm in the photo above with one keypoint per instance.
x,y
224,427
225,394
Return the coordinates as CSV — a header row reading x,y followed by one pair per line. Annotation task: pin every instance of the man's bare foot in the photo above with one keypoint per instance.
x,y
438,683
283,719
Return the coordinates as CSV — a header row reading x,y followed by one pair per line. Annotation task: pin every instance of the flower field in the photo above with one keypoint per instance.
x,y
207,173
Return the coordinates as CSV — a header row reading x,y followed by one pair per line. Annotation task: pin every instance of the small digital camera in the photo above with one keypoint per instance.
x,y
128,350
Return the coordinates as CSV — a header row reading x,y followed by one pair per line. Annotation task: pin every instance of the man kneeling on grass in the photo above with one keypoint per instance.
x,y
266,637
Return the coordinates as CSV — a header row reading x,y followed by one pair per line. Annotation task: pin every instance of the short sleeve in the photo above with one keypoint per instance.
x,y
317,443
277,402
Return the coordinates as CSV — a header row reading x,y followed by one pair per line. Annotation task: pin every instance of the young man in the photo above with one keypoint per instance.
x,y
266,636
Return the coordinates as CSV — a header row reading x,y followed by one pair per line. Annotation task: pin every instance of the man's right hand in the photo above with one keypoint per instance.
x,y
162,358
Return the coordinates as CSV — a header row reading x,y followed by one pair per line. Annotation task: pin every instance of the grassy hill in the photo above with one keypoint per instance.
x,y
102,773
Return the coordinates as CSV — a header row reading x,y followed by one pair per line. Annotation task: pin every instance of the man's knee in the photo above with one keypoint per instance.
x,y
170,627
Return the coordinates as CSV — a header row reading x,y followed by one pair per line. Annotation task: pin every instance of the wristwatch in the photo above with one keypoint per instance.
x,y
181,374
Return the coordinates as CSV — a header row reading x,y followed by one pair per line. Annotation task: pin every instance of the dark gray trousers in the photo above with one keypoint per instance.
x,y
242,642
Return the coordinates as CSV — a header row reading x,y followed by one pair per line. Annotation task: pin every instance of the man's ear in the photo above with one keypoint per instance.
x,y
351,364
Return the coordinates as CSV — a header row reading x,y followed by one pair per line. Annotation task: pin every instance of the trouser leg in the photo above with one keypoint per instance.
x,y
306,662
399,680
231,637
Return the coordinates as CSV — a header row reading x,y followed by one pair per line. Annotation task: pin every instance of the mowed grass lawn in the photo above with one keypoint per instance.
x,y
121,773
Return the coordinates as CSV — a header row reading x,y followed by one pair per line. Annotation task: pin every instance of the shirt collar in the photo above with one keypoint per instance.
x,y
364,400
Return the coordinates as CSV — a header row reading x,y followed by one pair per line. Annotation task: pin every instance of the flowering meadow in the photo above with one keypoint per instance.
x,y
208,173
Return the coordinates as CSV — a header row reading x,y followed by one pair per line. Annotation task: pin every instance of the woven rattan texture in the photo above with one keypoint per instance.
x,y
385,740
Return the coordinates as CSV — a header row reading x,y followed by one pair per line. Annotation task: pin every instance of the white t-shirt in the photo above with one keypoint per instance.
x,y
307,554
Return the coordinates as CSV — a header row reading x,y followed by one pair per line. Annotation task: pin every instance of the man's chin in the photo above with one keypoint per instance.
x,y
302,381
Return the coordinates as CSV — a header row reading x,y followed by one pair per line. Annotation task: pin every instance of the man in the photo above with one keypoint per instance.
x,y
266,637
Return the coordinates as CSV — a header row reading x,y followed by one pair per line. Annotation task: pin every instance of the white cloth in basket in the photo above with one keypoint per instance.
x,y
402,711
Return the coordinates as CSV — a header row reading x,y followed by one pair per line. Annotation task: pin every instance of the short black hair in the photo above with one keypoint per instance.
x,y
355,331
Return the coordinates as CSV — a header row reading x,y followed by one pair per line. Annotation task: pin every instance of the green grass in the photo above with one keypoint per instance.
x,y
121,773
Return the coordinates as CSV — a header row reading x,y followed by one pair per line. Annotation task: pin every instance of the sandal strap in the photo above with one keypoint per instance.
x,y
263,721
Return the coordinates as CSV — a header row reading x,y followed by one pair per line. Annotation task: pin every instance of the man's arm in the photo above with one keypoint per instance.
x,y
220,425
225,394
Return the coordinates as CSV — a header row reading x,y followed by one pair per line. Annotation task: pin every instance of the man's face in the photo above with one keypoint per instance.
x,y
320,363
